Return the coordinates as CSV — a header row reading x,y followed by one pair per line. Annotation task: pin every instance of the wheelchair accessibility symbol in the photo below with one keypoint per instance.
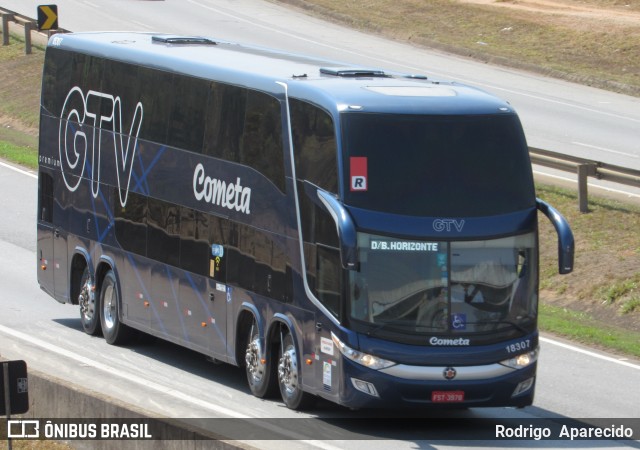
x,y
459,321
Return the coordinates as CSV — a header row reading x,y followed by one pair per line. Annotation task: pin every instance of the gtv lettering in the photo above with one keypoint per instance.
x,y
92,114
446,224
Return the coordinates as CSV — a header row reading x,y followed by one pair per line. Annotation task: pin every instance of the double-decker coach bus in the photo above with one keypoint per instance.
x,y
337,231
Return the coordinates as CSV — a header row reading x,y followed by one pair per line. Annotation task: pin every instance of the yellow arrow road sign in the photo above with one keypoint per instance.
x,y
47,17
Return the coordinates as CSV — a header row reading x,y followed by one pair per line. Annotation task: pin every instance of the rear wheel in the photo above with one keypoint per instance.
x,y
259,366
89,310
115,332
289,377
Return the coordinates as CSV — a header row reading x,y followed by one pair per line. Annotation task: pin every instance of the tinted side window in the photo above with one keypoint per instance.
x,y
163,232
94,70
203,245
317,225
314,145
194,248
257,263
315,153
224,121
269,276
262,137
156,94
186,123
131,223
45,197
56,79
328,286
242,260
63,71
122,80
244,126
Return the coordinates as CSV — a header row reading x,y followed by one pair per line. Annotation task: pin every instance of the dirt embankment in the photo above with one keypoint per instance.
x,y
603,15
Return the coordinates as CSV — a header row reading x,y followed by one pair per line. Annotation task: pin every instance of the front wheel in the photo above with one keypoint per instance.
x,y
89,310
289,377
115,332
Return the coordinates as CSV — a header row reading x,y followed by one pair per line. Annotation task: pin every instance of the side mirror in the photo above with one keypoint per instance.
x,y
565,236
344,224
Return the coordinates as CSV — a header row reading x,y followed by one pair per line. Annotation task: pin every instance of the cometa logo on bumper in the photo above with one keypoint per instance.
x,y
216,192
457,342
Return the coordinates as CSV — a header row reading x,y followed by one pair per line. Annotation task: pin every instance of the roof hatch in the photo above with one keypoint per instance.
x,y
352,72
183,40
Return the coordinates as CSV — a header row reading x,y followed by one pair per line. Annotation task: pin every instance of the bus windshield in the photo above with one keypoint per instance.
x,y
418,287
422,165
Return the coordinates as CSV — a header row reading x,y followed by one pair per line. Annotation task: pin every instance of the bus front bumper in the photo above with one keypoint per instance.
x,y
442,387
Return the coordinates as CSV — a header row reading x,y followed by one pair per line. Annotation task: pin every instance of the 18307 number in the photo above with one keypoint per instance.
x,y
518,346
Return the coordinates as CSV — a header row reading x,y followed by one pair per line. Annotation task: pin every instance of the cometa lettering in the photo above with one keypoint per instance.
x,y
453,342
217,192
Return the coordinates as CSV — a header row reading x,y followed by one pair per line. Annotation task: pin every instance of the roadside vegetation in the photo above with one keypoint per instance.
x,y
37,445
594,42
599,303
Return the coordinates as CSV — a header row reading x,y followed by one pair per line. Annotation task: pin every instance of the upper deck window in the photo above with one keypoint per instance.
x,y
419,165
314,145
199,115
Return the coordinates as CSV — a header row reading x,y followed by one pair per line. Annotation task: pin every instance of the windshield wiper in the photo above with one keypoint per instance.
x,y
423,329
497,322
374,331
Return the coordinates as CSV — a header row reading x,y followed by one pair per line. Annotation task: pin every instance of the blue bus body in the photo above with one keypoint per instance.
x,y
338,231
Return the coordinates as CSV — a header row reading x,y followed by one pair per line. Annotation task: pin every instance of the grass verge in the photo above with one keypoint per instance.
x,y
26,156
582,327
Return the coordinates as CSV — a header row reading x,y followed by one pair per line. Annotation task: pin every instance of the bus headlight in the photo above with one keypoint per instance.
x,y
370,361
523,360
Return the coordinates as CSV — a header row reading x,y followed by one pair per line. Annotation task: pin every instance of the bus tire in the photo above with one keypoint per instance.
x,y
89,308
261,372
289,377
114,331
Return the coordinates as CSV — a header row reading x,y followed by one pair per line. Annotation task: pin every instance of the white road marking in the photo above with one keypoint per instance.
x,y
590,353
608,150
143,25
16,169
121,374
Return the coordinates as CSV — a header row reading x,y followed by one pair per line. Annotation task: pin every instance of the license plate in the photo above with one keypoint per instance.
x,y
447,396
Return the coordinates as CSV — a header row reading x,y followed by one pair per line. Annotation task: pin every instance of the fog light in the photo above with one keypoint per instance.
x,y
523,387
365,387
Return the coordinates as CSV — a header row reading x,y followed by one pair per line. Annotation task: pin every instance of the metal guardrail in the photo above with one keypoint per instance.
x,y
585,168
30,25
